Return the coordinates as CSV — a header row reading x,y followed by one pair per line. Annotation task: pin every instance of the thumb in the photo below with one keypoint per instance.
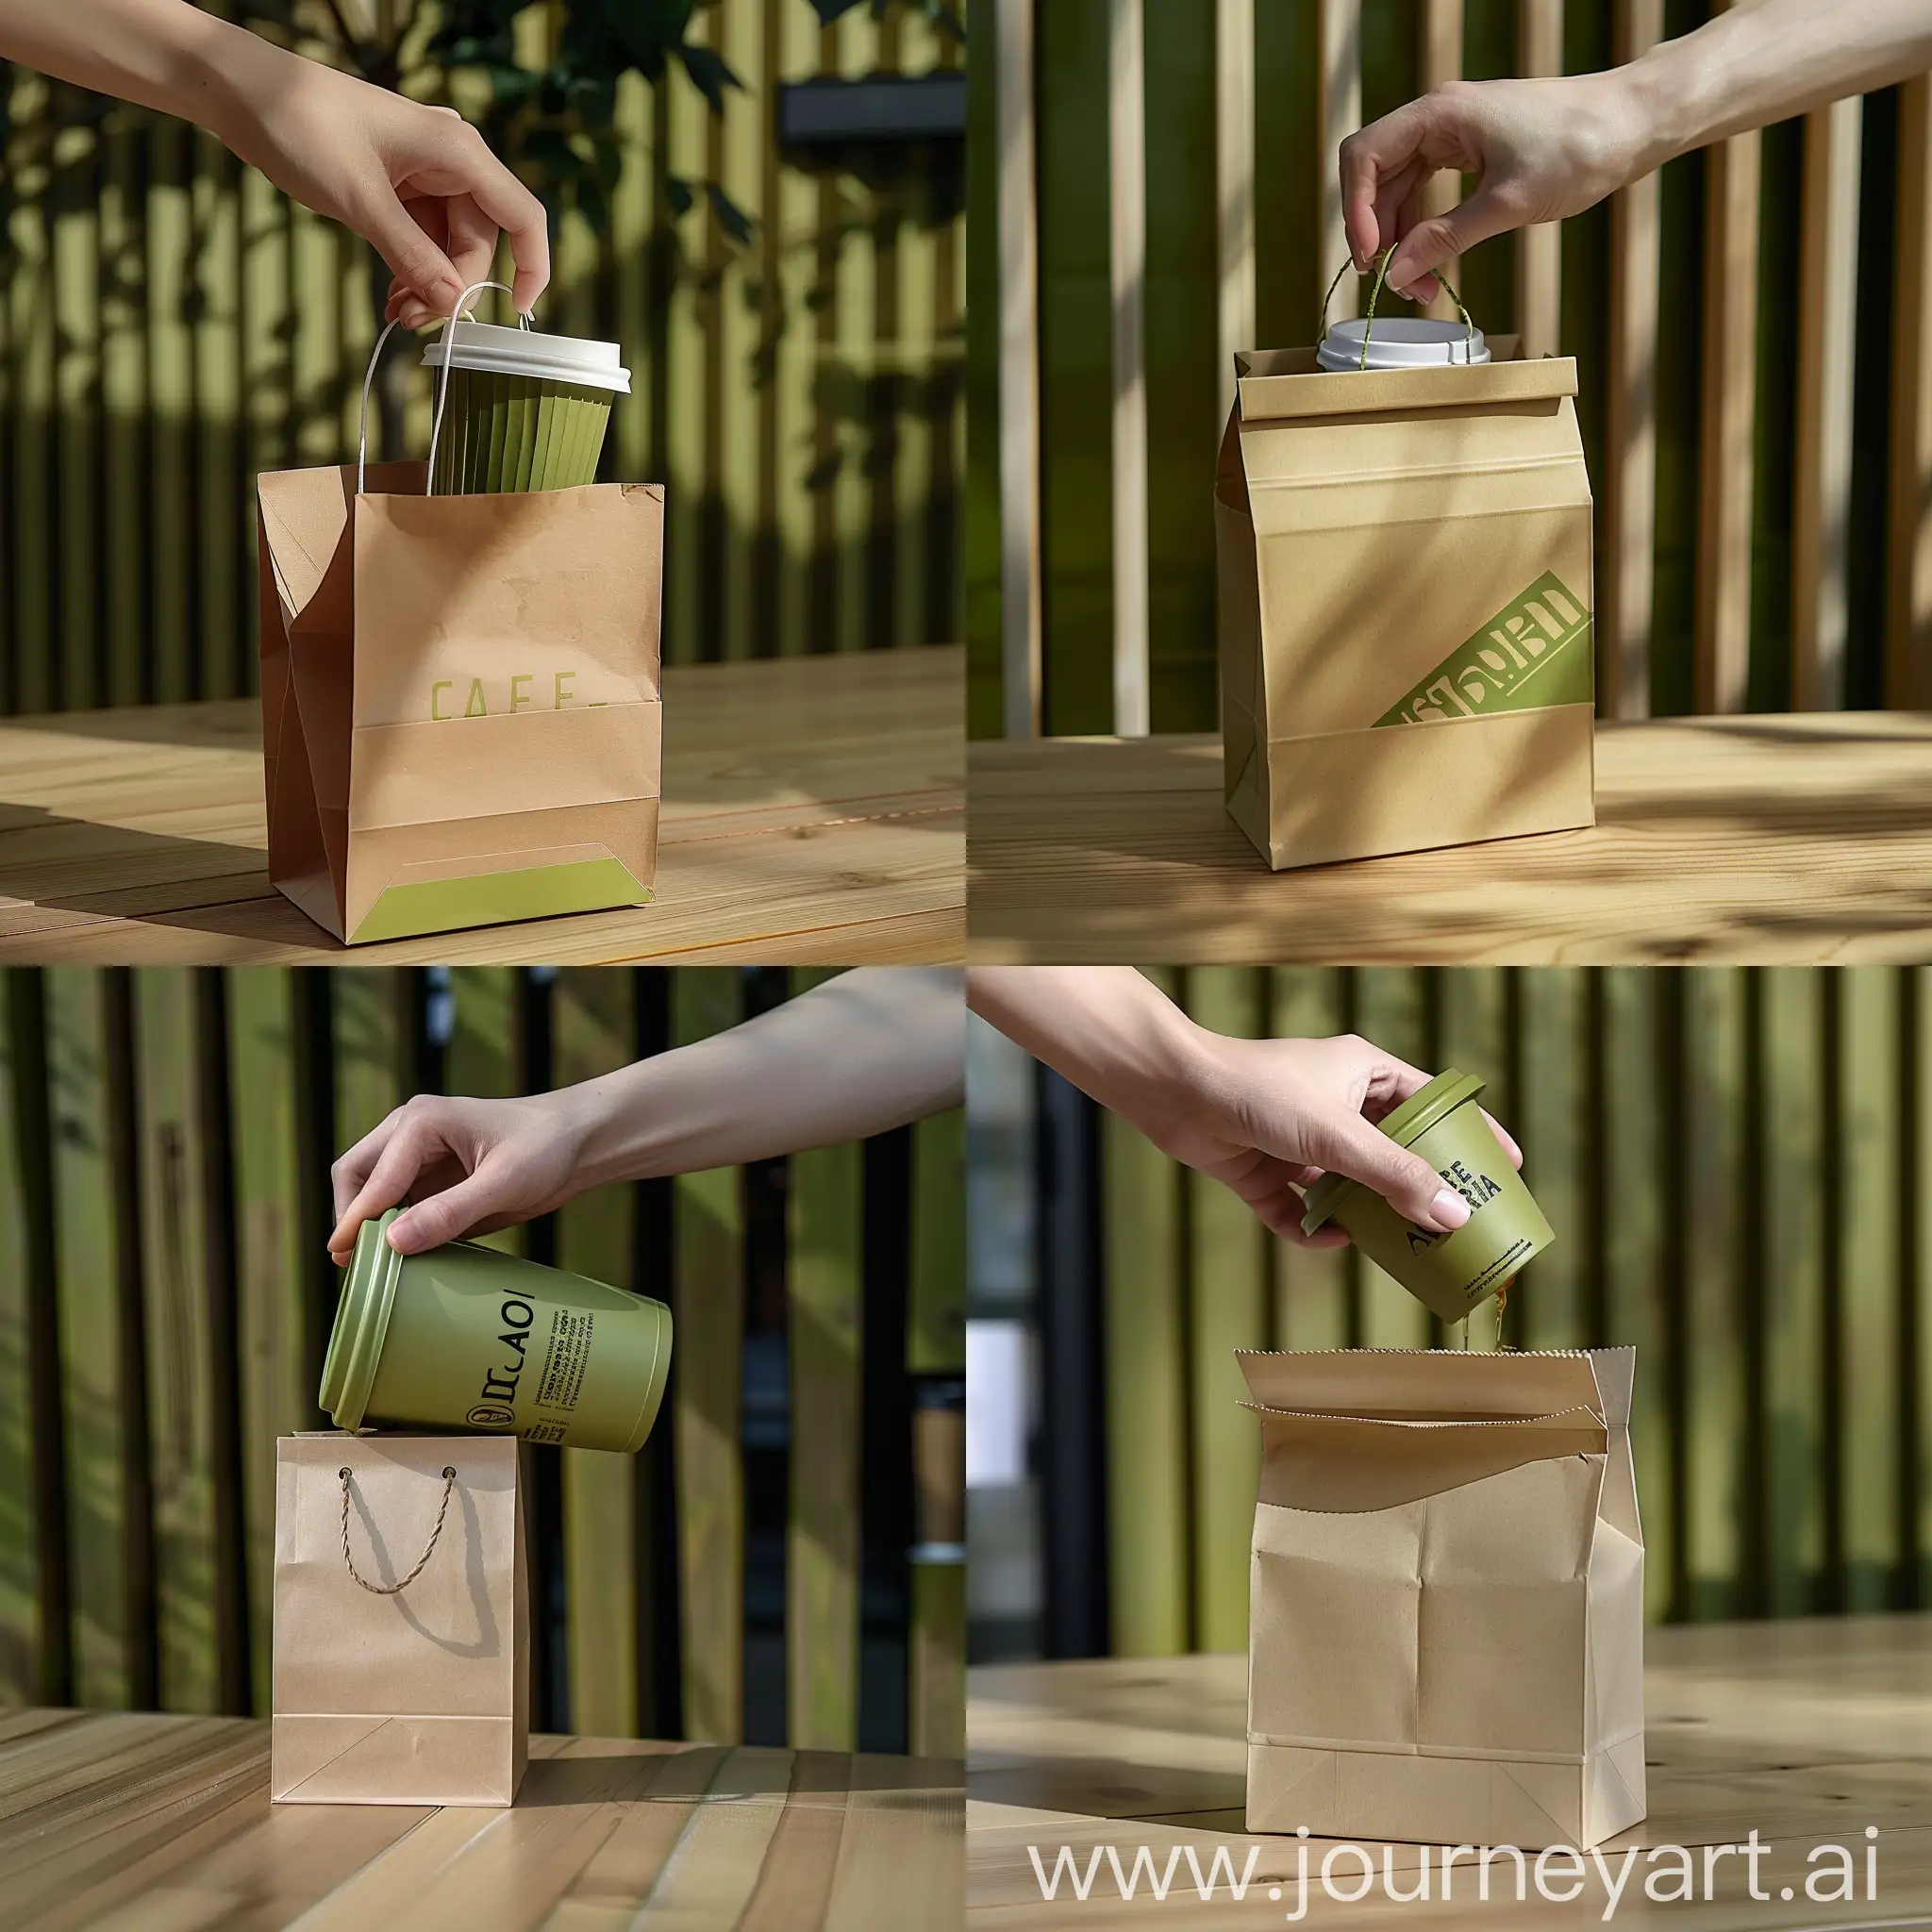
x,y
1347,1144
1441,239
412,256
447,1216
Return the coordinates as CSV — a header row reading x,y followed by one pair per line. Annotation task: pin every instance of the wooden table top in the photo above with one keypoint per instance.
x,y
1757,839
813,813
140,1821
1806,1730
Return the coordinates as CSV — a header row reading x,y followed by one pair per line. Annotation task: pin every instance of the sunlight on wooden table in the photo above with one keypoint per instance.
x,y
135,1820
1756,839
813,813
1808,1730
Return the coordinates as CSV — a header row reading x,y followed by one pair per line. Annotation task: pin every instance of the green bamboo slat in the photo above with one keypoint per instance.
x,y
368,1053
19,1635
632,211
596,1034
276,1397
482,1053
915,356
1226,1309
708,1310
1389,1009
171,420
1286,185
1310,1285
742,402
1868,1264
174,1263
1145,1368
314,324
224,510
1183,365
1630,1221
33,396
1470,1014
854,308
92,1397
825,1237
935,1303
936,1714
981,592
1076,536
1792,1313
77,381
789,271
936,1345
686,634
1719,1192
124,406
1546,1300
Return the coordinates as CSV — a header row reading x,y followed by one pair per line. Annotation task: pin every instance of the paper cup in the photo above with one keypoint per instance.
x,y
1401,341
1451,1274
466,1338
526,411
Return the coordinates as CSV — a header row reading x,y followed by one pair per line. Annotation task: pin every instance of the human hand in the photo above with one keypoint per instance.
x,y
470,1165
1268,1118
419,182
1543,150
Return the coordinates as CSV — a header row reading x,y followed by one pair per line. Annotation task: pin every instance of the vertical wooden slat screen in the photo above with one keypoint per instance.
x,y
1735,1163
171,325
1683,302
164,1146
1128,272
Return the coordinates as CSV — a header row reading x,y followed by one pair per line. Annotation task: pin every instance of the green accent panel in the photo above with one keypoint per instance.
x,y
982,509
531,892
1535,651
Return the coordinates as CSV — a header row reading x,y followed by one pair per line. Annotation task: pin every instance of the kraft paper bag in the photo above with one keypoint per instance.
x,y
1404,605
460,698
1446,1598
418,1695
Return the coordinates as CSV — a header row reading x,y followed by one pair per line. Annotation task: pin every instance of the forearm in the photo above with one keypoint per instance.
x,y
1765,60
1109,1029
162,54
871,1050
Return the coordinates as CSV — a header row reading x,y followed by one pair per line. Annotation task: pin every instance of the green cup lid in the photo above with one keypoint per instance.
x,y
355,1343
1404,1126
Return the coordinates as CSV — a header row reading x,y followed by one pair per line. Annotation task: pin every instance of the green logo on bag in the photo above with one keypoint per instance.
x,y
1535,652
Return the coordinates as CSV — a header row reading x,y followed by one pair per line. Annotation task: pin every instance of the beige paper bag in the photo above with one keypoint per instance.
x,y
460,698
1446,1598
412,1696
1404,562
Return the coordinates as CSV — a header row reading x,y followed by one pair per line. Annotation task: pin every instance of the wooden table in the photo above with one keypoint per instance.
x,y
813,812
1718,839
163,1825
1808,1730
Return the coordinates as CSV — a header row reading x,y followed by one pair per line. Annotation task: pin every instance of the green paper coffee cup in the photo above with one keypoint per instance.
x,y
525,410
465,1338
1451,1274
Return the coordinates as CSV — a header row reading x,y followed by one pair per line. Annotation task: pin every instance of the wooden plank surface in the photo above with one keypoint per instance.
x,y
1768,839
1808,1730
813,812
136,1820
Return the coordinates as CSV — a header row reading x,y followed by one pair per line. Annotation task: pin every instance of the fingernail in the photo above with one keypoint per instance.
x,y
1448,1210
397,1227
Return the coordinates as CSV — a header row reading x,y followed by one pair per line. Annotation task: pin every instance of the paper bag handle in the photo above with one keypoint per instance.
x,y
442,392
1382,275
449,1484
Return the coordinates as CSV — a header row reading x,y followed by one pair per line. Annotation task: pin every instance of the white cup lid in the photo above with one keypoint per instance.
x,y
482,346
1398,342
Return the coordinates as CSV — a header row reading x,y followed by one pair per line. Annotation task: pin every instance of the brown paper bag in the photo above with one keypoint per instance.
x,y
1446,1598
1404,562
410,1696
460,698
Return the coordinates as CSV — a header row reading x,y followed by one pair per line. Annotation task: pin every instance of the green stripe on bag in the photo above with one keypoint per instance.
x,y
1535,651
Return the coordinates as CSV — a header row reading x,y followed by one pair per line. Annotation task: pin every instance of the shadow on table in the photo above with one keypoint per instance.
x,y
724,1774
223,725
1113,1788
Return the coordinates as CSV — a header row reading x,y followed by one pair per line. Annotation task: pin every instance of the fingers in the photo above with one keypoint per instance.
x,y
506,203
416,261
379,1171
1432,244
1346,1143
1387,147
447,1216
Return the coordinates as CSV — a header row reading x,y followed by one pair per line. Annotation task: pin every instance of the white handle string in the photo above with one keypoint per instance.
x,y
442,392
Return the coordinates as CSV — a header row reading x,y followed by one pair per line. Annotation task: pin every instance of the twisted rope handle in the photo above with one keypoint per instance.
x,y
442,398
449,1484
1374,293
